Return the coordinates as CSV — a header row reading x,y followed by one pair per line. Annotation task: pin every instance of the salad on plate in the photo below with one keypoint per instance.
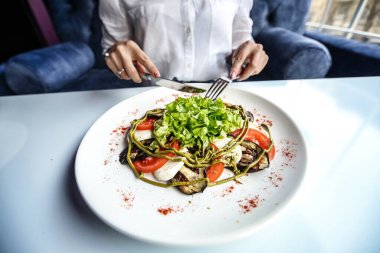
x,y
194,143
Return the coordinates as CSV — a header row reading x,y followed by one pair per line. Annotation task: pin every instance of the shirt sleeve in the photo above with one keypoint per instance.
x,y
115,25
242,25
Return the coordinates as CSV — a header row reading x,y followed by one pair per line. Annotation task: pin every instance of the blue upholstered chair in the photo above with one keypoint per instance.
x,y
350,58
76,62
279,26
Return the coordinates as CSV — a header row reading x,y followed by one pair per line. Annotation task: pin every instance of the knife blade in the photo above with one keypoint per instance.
x,y
172,84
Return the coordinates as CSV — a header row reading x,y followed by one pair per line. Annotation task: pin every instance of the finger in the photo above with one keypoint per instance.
x,y
238,60
245,64
140,68
239,71
117,61
125,64
235,73
145,61
125,52
251,68
256,65
247,72
263,61
130,69
111,65
259,59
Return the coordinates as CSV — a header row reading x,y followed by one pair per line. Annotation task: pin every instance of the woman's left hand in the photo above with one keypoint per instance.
x,y
247,60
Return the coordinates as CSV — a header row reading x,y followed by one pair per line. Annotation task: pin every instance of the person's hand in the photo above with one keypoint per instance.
x,y
127,61
247,60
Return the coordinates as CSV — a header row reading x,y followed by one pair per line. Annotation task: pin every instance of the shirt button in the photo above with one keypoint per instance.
x,y
188,30
189,66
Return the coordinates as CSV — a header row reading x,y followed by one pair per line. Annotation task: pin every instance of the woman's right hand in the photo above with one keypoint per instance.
x,y
127,61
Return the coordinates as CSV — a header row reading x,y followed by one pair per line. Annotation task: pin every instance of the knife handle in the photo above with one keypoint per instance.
x,y
147,77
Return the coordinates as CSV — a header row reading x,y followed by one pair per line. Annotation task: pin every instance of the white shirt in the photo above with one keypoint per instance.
x,y
186,39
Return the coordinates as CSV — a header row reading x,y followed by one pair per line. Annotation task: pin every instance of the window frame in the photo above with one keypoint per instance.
x,y
351,29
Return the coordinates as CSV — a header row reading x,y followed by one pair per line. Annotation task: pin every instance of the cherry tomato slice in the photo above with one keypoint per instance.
x,y
151,164
147,124
175,145
255,135
214,171
215,148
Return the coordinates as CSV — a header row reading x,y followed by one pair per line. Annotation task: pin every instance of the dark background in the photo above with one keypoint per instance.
x,y
18,29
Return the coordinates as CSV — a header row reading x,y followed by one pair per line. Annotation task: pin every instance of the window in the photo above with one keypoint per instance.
x,y
353,19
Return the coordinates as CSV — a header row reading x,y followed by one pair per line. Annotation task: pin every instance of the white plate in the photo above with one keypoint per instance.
x,y
164,215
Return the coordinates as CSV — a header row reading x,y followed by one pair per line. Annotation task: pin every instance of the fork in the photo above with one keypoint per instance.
x,y
217,87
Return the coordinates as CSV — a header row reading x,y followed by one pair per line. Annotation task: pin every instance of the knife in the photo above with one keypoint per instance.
x,y
172,84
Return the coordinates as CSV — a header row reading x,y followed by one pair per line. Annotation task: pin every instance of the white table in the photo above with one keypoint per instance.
x,y
337,210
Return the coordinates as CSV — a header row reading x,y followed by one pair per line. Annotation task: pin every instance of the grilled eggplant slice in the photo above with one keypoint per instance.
x,y
136,153
157,114
262,164
249,116
251,151
123,157
186,174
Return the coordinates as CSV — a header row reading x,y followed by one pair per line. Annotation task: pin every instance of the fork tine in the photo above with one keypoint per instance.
x,y
211,89
217,87
221,88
